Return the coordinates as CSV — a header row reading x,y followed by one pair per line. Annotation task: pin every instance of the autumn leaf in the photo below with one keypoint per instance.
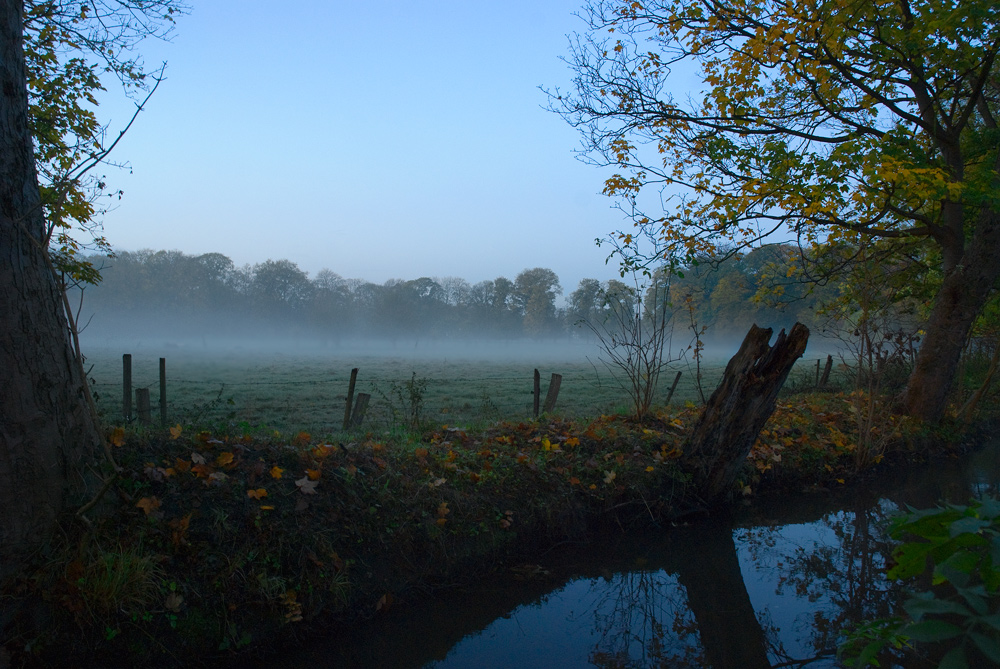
x,y
573,441
259,493
181,465
420,453
302,439
351,469
276,472
307,486
314,474
574,480
197,458
175,431
148,504
224,459
443,509
173,602
117,437
267,507
610,476
474,477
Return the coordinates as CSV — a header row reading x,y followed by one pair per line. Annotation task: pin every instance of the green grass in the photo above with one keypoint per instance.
x,y
308,392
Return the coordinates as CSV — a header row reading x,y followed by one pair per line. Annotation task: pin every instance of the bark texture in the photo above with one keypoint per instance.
x,y
739,407
961,298
47,432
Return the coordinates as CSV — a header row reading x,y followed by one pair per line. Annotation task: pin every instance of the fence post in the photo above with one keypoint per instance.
x,y
142,406
826,372
673,387
537,391
163,392
817,373
127,387
350,398
360,406
553,393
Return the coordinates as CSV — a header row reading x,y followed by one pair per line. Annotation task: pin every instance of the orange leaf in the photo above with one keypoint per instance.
x,y
182,465
117,437
267,507
148,504
443,509
224,459
201,470
474,477
574,481
302,439
175,431
276,472
420,452
259,493
573,441
313,474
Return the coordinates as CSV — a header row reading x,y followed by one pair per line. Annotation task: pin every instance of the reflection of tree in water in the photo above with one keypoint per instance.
x,y
842,571
694,612
642,620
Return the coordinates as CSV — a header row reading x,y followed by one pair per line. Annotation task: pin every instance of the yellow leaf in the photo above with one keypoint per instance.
x,y
224,459
573,441
276,472
175,431
313,474
649,468
259,493
117,437
148,504
267,507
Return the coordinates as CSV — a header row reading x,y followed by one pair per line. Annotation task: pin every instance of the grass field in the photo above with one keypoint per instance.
x,y
307,390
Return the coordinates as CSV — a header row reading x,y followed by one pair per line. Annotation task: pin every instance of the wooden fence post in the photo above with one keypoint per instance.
x,y
350,398
826,372
360,406
142,406
550,398
163,392
127,387
817,373
537,392
673,387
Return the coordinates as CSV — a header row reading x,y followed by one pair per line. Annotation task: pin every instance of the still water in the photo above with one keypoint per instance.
x,y
770,585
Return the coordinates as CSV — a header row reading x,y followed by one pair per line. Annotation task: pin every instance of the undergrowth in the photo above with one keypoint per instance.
x,y
215,541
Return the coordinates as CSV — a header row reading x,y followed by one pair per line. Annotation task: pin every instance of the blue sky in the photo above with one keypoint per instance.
x,y
378,139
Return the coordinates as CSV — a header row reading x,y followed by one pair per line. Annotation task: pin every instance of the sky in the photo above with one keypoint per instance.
x,y
375,139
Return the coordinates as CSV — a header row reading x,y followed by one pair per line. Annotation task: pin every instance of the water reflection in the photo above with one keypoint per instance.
x,y
771,586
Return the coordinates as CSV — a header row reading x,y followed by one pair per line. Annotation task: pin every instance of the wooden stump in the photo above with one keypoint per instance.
x,y
739,407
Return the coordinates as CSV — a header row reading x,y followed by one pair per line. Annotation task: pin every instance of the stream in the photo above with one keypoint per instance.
x,y
771,585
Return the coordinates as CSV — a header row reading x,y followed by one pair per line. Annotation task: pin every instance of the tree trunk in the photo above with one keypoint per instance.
x,y
956,306
47,432
739,407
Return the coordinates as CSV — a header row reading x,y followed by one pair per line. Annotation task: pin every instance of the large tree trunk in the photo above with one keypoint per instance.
x,y
47,431
959,301
739,407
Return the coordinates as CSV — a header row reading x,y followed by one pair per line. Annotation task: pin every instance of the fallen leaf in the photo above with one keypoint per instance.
x,y
148,504
197,458
610,476
175,431
173,602
224,459
276,472
259,493
314,474
117,437
307,486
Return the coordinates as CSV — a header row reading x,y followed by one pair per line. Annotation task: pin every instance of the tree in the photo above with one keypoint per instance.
x,y
49,439
48,435
535,293
840,121
72,47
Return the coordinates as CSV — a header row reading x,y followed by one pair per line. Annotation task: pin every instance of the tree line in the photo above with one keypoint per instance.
x,y
147,292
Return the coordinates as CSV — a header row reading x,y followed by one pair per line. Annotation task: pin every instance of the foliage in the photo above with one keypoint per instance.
x,y
955,550
71,50
838,122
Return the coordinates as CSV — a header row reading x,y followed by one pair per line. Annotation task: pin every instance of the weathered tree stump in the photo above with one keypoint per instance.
x,y
739,407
